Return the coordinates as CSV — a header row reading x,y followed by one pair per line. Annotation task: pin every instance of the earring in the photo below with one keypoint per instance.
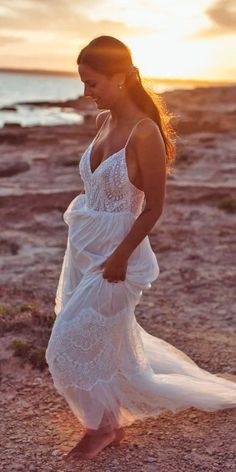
x,y
120,86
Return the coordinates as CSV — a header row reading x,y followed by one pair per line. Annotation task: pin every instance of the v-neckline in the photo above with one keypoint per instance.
x,y
104,160
111,155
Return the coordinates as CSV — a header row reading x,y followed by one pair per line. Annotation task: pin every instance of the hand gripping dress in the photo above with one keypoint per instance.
x,y
108,368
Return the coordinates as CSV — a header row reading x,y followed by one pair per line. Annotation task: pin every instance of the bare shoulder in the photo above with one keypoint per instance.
x,y
149,145
147,133
100,118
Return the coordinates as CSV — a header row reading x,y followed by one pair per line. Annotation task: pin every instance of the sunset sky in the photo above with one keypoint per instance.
x,y
168,38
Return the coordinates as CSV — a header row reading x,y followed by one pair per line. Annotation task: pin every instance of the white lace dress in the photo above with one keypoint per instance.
x,y
107,367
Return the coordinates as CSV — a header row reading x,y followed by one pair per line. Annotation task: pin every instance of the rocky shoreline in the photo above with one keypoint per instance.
x,y
191,305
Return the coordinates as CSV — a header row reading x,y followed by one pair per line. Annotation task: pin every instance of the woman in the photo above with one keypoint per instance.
x,y
107,367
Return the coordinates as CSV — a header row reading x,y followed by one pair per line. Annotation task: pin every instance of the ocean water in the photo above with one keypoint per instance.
x,y
18,88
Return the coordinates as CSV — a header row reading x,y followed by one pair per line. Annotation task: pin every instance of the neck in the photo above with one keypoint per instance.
x,y
124,111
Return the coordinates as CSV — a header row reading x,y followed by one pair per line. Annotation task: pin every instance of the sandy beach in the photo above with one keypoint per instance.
x,y
191,305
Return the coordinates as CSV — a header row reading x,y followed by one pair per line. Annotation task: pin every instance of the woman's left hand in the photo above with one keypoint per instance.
x,y
114,268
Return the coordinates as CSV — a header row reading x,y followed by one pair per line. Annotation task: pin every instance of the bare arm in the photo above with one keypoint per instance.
x,y
151,157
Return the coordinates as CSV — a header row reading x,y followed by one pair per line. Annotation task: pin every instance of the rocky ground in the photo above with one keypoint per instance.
x,y
191,305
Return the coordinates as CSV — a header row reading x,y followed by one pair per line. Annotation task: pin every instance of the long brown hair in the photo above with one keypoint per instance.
x,y
108,56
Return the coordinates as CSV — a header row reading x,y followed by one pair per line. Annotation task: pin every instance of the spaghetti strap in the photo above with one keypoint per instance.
x,y
108,114
146,117
101,127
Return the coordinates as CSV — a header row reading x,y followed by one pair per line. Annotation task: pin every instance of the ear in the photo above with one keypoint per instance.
x,y
119,78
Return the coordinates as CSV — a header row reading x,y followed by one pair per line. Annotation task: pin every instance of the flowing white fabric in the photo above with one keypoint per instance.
x,y
107,367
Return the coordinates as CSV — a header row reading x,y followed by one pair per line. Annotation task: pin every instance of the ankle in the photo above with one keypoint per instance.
x,y
98,432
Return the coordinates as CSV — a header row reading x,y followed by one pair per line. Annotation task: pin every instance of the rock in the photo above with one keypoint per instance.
x,y
13,138
115,462
150,459
210,451
151,468
12,125
8,108
56,452
7,169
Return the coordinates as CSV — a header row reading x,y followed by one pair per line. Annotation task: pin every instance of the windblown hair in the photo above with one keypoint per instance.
x,y
108,56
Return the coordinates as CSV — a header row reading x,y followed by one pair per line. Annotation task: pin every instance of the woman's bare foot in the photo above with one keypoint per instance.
x,y
91,444
120,434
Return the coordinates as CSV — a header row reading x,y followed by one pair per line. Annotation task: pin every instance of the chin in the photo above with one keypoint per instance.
x,y
101,105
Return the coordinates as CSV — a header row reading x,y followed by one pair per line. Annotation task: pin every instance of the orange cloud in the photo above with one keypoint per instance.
x,y
61,17
223,17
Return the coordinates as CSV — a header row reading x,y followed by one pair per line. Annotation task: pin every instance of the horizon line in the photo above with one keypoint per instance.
x,y
74,74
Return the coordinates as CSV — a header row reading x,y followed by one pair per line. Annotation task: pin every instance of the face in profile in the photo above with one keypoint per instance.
x,y
103,90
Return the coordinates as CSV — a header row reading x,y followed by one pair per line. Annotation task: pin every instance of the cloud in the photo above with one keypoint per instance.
x,y
63,18
4,39
222,14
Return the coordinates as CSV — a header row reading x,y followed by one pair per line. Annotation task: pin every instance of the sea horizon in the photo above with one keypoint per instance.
x,y
63,73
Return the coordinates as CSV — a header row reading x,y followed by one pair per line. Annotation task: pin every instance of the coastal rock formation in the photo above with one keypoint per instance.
x,y
11,168
191,305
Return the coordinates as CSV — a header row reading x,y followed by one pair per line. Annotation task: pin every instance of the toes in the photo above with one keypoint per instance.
x,y
70,454
79,456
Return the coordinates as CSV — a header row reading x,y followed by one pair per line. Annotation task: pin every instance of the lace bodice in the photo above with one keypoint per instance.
x,y
108,188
